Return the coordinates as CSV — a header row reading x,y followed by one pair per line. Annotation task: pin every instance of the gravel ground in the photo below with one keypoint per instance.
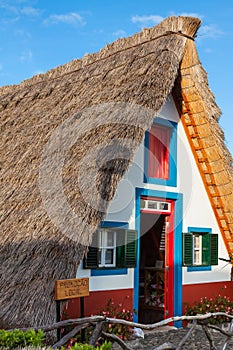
x,y
198,340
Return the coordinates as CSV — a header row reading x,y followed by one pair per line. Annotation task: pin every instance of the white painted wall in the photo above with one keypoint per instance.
x,y
98,283
197,208
122,207
198,212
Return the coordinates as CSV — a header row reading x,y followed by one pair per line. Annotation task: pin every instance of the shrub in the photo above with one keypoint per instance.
x,y
211,305
18,338
113,310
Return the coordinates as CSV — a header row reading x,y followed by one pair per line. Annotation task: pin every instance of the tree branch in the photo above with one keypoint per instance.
x,y
113,337
69,335
212,326
66,323
94,319
229,336
81,323
185,338
96,333
209,337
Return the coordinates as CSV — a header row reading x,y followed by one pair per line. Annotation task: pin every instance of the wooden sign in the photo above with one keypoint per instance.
x,y
72,288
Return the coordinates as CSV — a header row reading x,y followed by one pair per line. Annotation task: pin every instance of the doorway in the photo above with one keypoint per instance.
x,y
155,274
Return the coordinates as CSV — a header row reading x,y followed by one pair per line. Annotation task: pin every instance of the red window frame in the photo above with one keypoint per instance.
x,y
159,150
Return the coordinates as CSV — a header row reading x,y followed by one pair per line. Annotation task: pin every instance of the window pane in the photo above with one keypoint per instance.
x,y
197,249
163,206
197,243
110,239
196,257
109,256
101,239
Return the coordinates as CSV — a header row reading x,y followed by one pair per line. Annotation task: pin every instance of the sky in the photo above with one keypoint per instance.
x,y
38,35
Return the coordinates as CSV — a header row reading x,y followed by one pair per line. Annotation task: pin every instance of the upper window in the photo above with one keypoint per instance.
x,y
159,145
161,153
200,248
112,248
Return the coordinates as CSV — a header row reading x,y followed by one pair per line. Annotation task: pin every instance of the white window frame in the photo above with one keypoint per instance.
x,y
155,205
103,247
197,261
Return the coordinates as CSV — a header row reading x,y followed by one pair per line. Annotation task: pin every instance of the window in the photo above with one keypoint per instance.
x,y
112,248
161,153
197,249
200,248
159,144
107,248
152,205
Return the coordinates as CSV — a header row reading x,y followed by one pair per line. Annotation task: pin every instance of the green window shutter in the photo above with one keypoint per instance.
x,y
187,249
120,249
214,249
91,261
126,248
131,248
206,249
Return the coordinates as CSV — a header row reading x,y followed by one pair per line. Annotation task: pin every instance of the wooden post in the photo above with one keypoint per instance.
x,y
58,318
82,314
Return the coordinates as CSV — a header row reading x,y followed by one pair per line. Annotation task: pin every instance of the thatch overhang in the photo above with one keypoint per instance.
x,y
200,115
56,126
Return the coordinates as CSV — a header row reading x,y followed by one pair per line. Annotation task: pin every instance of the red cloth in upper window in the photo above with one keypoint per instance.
x,y
159,144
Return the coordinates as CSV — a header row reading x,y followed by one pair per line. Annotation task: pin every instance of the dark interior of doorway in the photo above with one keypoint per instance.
x,y
152,264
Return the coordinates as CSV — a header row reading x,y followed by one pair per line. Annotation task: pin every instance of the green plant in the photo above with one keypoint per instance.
x,y
114,310
79,346
206,305
107,345
17,338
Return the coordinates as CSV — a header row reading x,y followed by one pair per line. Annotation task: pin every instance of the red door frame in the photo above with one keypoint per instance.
x,y
169,255
169,265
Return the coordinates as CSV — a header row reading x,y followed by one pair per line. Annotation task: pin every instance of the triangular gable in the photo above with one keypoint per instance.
x,y
199,115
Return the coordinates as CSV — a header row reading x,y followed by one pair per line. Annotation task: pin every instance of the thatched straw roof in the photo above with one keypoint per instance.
x,y
80,124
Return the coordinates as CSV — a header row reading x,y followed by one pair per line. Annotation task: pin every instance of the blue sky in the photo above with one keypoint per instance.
x,y
37,35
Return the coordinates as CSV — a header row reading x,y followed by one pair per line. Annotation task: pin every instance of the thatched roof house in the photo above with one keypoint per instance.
x,y
43,238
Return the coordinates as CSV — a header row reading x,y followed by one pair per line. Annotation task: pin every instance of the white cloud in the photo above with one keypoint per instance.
x,y
26,56
22,1
11,14
209,31
119,33
147,20
187,14
208,50
9,8
30,11
205,31
22,33
69,18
